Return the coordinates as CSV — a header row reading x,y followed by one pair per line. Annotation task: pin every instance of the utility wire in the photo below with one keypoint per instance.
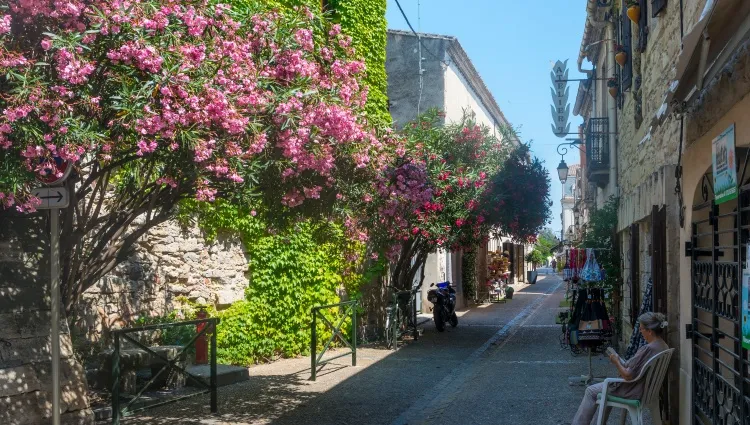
x,y
418,36
419,52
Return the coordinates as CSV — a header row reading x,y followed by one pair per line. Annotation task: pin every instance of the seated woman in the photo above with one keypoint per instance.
x,y
652,327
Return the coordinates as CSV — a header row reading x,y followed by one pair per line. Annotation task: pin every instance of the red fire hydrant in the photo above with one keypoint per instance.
x,y
201,346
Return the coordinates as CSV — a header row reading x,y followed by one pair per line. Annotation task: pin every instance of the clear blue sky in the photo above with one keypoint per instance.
x,y
512,44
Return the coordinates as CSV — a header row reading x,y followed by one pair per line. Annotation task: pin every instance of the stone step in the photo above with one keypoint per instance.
x,y
225,374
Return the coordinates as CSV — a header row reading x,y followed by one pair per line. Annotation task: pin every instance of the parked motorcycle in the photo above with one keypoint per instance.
x,y
443,299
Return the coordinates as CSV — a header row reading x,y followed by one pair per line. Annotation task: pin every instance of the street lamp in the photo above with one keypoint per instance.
x,y
562,171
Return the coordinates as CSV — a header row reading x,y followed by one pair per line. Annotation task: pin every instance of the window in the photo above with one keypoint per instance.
x,y
643,27
626,76
657,6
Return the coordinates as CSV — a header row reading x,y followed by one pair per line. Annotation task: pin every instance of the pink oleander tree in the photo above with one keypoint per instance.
x,y
431,197
153,102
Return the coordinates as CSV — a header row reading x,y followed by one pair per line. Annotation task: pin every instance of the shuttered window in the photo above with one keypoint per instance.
x,y
643,27
635,273
657,6
626,42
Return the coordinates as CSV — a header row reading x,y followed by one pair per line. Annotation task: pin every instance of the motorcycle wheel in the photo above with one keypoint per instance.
x,y
439,322
454,320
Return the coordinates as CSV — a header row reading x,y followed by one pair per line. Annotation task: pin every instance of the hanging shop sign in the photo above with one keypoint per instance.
x,y
724,166
560,93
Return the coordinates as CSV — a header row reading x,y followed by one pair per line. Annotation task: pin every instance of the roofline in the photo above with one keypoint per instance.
x,y
464,65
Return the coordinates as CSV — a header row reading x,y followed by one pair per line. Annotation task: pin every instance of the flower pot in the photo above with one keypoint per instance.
x,y
621,58
613,91
634,13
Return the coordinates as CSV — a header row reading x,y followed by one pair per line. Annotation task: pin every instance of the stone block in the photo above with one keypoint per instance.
x,y
34,323
30,350
225,297
22,409
33,296
79,417
19,380
8,328
73,391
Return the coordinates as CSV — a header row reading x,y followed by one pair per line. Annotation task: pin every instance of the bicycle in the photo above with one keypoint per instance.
x,y
401,315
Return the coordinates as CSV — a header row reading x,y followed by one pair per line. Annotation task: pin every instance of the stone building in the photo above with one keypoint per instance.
x,y
445,79
682,89
569,202
25,334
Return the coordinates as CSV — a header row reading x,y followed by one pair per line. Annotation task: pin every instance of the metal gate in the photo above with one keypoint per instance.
x,y
720,364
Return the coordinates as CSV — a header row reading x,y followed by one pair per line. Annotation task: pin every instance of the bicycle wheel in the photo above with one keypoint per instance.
x,y
398,327
390,329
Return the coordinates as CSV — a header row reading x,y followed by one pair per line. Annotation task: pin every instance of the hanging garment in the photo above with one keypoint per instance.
x,y
637,340
590,325
591,271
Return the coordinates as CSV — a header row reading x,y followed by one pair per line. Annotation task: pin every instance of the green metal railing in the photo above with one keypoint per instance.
x,y
350,310
209,326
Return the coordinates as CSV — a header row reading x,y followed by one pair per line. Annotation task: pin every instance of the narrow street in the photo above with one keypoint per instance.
x,y
502,365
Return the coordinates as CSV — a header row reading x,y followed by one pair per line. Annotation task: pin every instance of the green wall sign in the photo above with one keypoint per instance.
x,y
724,166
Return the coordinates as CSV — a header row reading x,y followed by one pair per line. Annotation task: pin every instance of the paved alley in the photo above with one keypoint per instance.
x,y
502,365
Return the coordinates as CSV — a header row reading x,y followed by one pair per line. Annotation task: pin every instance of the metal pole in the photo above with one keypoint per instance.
x,y
354,334
54,224
116,381
214,398
313,346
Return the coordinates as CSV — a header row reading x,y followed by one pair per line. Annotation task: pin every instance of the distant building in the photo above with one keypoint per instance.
x,y
452,84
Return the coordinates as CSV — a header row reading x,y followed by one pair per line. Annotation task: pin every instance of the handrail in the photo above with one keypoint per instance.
x,y
350,310
211,325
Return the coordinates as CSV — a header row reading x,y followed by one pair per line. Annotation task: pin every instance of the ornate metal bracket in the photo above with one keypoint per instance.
x,y
562,148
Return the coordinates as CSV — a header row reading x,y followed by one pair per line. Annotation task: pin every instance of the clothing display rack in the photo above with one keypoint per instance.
x,y
588,326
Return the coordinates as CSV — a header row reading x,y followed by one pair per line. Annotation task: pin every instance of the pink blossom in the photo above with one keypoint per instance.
x,y
305,38
71,69
5,22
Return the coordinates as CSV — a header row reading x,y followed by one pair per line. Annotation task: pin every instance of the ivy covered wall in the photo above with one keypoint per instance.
x,y
292,271
364,21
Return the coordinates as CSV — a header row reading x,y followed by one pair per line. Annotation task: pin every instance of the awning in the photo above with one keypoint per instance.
x,y
722,24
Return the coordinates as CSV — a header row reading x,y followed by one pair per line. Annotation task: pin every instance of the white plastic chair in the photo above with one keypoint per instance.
x,y
652,374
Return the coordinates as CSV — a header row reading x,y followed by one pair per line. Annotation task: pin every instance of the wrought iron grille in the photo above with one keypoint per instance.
x,y
721,382
597,144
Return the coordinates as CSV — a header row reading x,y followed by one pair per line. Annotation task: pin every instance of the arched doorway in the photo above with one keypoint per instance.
x,y
719,237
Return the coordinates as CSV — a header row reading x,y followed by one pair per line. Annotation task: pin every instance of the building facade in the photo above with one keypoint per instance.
x,y
680,153
446,79
568,203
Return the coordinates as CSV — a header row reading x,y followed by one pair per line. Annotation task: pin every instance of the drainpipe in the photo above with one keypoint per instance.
x,y
612,115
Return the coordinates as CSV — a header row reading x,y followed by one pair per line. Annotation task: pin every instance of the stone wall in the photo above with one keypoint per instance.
x,y
170,262
25,375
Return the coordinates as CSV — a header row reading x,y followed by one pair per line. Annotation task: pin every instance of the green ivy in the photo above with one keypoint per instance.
x,y
469,273
364,21
290,272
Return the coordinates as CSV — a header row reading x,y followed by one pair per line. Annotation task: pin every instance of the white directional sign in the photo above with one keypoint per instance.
x,y
560,106
52,197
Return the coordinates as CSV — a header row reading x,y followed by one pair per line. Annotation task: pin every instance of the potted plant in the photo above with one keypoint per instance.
x,y
612,84
620,56
509,292
634,10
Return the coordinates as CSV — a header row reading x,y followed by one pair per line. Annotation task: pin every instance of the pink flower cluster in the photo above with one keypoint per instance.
x,y
5,21
145,58
72,69
223,98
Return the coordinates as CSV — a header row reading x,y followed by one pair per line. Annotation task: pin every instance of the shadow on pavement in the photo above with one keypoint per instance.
x,y
385,385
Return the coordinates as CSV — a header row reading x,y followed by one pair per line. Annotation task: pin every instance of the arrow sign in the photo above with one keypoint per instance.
x,y
51,197
560,94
